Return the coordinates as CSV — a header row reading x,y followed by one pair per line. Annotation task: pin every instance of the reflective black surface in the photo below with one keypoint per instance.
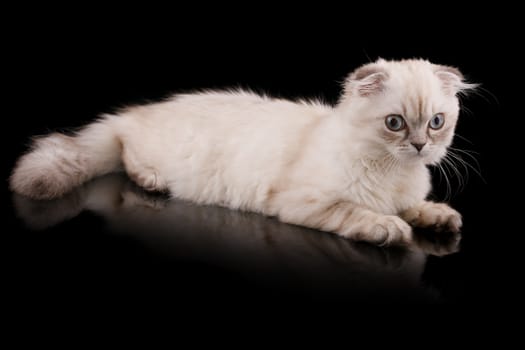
x,y
122,232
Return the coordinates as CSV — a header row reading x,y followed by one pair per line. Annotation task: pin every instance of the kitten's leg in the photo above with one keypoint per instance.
x,y
346,219
430,214
143,175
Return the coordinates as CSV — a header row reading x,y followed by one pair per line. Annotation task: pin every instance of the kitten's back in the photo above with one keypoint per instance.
x,y
187,144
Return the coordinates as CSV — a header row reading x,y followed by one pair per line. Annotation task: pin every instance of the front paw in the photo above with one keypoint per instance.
x,y
384,230
437,215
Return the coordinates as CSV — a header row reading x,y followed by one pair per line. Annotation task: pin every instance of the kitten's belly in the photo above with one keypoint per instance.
x,y
213,186
215,176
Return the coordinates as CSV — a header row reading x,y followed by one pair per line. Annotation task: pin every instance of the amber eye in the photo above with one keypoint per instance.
x,y
395,122
437,121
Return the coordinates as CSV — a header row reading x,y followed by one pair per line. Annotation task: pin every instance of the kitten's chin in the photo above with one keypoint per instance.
x,y
427,157
414,158
435,158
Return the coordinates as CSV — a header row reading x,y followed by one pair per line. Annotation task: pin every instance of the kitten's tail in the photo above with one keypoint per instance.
x,y
57,163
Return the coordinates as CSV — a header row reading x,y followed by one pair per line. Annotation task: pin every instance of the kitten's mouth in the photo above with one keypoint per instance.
x,y
422,157
414,157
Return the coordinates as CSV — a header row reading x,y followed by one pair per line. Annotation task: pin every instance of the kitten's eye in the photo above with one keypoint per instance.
x,y
437,121
395,122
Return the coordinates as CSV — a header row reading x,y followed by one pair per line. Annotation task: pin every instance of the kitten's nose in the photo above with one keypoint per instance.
x,y
418,146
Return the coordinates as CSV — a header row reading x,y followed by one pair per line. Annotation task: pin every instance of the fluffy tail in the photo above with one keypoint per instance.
x,y
57,163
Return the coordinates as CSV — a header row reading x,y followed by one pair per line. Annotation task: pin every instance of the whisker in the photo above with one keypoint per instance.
x,y
478,91
463,138
481,92
467,152
438,172
392,163
466,164
447,181
448,194
467,111
452,164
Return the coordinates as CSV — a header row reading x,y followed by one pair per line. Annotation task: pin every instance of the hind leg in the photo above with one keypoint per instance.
x,y
142,173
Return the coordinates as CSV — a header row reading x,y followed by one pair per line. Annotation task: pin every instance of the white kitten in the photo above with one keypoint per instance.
x,y
357,169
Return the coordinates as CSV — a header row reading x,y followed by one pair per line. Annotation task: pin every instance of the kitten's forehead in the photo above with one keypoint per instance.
x,y
417,104
414,77
417,87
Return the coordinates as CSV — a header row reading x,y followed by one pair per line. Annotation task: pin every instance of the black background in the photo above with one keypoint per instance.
x,y
65,70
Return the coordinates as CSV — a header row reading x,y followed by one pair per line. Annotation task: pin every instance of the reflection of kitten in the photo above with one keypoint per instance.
x,y
349,169
260,249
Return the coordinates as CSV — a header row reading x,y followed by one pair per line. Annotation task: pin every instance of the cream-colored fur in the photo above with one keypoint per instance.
x,y
337,169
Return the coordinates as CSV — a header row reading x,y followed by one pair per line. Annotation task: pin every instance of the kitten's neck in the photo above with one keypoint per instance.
x,y
384,164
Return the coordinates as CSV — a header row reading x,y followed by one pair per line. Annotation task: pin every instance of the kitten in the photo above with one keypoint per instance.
x,y
357,169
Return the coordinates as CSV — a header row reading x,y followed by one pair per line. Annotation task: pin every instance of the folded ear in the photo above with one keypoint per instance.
x,y
452,80
366,80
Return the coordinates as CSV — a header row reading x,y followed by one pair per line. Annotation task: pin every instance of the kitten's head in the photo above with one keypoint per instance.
x,y
408,108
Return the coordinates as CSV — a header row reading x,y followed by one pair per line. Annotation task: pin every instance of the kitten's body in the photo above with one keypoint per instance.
x,y
244,157
307,163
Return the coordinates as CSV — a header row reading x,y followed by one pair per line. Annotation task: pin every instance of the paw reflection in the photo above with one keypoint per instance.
x,y
439,244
